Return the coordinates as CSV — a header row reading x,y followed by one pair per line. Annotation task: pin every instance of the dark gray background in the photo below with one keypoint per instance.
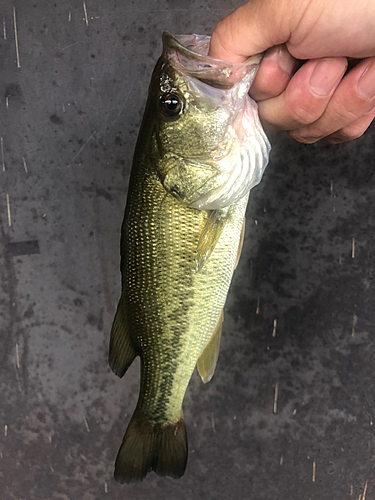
x,y
71,113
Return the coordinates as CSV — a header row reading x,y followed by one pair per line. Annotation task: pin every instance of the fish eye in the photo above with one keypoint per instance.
x,y
171,105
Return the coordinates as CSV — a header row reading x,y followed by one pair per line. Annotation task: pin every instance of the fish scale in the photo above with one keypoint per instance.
x,y
178,320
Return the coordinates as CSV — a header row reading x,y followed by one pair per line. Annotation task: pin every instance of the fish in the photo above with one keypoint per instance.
x,y
200,150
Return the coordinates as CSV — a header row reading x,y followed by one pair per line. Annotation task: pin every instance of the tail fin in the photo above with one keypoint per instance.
x,y
146,447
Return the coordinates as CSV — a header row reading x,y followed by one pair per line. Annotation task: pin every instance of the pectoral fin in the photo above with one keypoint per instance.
x,y
121,349
240,245
206,363
209,238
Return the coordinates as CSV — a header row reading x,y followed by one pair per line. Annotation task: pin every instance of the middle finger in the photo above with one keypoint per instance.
x,y
353,98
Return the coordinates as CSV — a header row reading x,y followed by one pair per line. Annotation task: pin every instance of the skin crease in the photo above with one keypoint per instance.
x,y
304,85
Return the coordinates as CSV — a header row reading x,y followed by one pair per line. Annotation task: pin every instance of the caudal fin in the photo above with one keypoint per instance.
x,y
147,447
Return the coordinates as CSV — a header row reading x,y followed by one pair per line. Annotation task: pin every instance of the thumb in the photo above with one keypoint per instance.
x,y
252,28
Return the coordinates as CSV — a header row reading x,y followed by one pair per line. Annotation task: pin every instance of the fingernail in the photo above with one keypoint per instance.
x,y
282,57
366,83
326,76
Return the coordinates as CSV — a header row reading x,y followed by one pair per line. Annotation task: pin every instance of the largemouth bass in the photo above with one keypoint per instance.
x,y
200,150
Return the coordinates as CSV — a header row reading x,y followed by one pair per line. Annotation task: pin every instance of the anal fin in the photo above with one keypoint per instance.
x,y
206,363
121,349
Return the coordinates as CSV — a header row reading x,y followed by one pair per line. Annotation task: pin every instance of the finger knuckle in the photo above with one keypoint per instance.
x,y
304,139
344,114
352,132
348,133
306,114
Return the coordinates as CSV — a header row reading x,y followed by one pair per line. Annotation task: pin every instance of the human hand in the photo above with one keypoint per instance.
x,y
302,85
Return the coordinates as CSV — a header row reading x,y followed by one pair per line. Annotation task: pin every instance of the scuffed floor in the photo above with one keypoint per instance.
x,y
289,413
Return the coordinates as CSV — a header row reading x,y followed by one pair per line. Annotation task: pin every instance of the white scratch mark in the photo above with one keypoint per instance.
x,y
351,490
8,209
294,412
105,487
274,328
275,398
24,164
353,248
364,492
73,44
16,37
258,305
52,469
4,29
86,424
5,430
256,222
281,460
314,472
70,16
7,102
124,103
63,108
213,423
2,153
354,323
17,356
332,198
83,147
50,439
85,11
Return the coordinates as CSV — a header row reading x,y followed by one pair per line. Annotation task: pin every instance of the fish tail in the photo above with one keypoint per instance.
x,y
146,447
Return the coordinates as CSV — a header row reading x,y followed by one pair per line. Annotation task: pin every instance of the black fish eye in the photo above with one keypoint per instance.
x,y
170,104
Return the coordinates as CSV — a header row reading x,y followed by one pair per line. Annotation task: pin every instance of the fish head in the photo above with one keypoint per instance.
x,y
210,148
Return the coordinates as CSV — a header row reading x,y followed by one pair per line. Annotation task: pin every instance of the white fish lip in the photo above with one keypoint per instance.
x,y
188,54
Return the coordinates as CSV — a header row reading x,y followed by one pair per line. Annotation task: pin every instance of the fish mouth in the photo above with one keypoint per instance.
x,y
178,49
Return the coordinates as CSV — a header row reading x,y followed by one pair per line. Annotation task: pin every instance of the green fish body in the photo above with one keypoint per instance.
x,y
181,239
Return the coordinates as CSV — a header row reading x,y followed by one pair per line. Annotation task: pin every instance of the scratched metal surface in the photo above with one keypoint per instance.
x,y
289,413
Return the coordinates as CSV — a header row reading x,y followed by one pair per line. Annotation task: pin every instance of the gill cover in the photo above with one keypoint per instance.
x,y
214,149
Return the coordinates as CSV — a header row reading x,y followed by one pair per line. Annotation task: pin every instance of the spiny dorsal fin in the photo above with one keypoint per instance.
x,y
121,349
240,244
206,363
209,238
